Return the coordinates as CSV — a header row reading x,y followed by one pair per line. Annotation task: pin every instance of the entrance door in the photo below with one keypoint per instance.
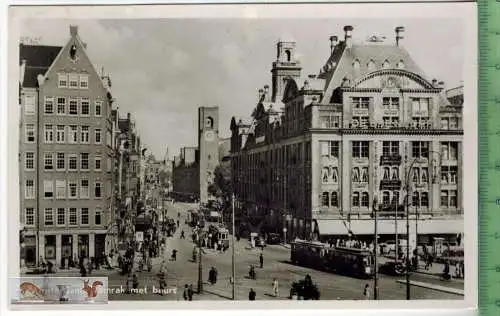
x,y
99,244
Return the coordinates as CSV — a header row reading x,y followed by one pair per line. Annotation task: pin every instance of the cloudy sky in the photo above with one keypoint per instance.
x,y
162,70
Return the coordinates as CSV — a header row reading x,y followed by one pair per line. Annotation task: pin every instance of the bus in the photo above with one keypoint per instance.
x,y
346,261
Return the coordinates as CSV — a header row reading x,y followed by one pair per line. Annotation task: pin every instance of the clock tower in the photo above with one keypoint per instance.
x,y
208,144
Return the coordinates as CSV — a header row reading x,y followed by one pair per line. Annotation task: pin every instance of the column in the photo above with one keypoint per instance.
x,y
58,249
316,167
74,244
41,246
346,176
91,245
435,193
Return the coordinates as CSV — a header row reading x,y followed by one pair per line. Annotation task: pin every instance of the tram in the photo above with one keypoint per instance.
x,y
353,262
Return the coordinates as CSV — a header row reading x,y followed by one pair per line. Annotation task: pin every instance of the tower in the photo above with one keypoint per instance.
x,y
208,144
286,66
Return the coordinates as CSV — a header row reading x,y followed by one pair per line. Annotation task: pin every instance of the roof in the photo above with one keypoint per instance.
x,y
38,60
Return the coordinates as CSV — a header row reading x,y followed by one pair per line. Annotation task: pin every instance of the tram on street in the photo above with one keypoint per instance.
x,y
353,262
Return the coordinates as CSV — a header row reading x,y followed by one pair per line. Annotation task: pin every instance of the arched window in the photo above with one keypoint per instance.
x,y
415,199
401,64
386,198
335,175
395,173
325,175
209,122
288,55
356,64
365,199
371,65
416,175
334,199
386,175
355,199
425,175
355,174
324,200
364,174
385,64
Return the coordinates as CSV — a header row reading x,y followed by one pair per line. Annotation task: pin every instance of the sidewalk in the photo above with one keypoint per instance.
x,y
435,270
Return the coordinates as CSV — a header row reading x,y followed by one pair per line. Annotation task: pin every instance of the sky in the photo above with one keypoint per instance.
x,y
162,70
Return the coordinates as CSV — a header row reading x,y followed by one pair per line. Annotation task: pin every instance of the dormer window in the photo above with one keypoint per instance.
x,y
401,64
371,65
355,64
72,51
385,64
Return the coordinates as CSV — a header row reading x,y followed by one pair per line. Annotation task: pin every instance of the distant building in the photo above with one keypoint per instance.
x,y
185,175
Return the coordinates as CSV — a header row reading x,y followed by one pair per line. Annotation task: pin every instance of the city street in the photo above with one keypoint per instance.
x,y
332,286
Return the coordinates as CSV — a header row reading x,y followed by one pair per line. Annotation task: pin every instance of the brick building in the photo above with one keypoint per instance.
x,y
319,150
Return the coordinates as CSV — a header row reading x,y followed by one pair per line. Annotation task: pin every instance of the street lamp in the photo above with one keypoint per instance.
x,y
375,244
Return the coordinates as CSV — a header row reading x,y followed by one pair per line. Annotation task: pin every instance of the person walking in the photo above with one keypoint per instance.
x,y
190,292
185,294
251,295
261,259
367,292
275,288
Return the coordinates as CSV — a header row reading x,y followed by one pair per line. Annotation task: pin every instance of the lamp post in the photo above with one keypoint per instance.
x,y
233,263
200,267
375,243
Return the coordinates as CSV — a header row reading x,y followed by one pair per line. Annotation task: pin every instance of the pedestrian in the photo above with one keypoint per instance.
x,y
367,292
185,294
135,282
457,270
261,259
251,295
190,292
275,288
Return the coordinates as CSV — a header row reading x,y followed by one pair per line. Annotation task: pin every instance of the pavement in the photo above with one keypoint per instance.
x,y
276,265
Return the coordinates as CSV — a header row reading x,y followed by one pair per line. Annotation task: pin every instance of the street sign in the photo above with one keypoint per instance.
x,y
139,236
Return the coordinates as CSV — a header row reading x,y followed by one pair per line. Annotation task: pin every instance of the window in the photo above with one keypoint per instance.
x,y
325,174
98,190
401,64
332,121
98,108
334,201
360,149
73,106
334,149
61,105
453,198
453,123
364,174
360,103
390,103
420,149
98,216
73,217
84,161
420,106
335,175
85,106
62,80
49,133
449,174
72,189
449,150
48,159
360,121
395,173
424,174
61,216
424,199
97,164
385,64
84,81
415,201
390,121
355,199
390,148
355,174
395,197
60,137
49,105
445,123
84,188
60,189
84,216
444,198
72,134
29,189
98,136
60,161
72,163
415,175
325,199
386,198
387,173
29,161
29,216
49,217
29,104
85,135
365,199
30,133
73,81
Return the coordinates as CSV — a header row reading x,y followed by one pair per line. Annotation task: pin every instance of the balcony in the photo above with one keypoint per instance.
x,y
390,185
390,159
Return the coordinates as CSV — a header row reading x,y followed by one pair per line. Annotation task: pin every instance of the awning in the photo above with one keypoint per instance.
x,y
366,227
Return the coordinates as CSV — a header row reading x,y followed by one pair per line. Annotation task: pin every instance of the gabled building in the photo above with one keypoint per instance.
x,y
369,131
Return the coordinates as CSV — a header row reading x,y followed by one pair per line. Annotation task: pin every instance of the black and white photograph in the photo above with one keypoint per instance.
x,y
244,157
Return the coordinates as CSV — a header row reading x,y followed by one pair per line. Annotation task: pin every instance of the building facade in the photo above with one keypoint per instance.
x,y
185,175
370,132
66,161
208,144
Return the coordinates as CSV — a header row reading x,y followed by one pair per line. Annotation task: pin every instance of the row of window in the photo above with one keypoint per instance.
x,y
419,106
62,161
61,134
419,149
62,216
333,121
73,81
64,189
71,106
419,199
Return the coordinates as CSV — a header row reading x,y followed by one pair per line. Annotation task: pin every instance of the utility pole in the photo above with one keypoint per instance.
x,y
375,243
200,267
233,263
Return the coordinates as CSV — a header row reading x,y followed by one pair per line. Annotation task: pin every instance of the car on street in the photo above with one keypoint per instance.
x,y
392,268
273,239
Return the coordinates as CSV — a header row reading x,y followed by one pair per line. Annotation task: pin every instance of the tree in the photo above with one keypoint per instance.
x,y
222,187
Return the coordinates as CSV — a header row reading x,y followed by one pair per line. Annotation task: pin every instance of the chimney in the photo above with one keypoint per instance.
x,y
73,30
334,40
399,34
22,71
266,92
441,84
434,82
348,35
128,116
261,93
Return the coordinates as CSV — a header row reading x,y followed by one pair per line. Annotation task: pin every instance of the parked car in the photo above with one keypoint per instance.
x,y
392,268
273,239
